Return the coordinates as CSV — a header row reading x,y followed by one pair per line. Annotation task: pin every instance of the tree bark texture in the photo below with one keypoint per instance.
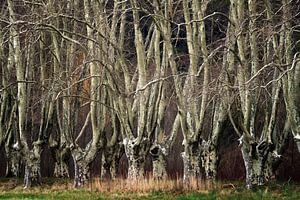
x,y
32,175
192,165
110,161
159,159
257,163
209,159
61,166
82,172
136,155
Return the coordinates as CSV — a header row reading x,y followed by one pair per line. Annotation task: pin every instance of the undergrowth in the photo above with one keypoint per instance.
x,y
146,189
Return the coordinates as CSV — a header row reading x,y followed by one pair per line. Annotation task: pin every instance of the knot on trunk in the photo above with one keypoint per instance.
x,y
156,151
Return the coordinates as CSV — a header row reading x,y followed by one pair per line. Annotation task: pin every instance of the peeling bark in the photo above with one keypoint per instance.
x,y
82,173
246,152
192,166
257,163
136,155
136,168
159,156
209,160
81,168
32,175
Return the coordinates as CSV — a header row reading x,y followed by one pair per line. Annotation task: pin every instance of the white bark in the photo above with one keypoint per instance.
x,y
81,168
255,147
136,155
191,167
159,155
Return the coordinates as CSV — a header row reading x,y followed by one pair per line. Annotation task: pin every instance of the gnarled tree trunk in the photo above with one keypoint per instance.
x,y
14,163
82,172
32,175
110,161
258,166
159,155
209,160
192,166
136,155
61,166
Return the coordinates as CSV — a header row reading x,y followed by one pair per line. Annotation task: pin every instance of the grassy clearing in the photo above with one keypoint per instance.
x,y
146,189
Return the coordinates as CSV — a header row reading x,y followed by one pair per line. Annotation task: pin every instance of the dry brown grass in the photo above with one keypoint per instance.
x,y
150,185
121,186
147,188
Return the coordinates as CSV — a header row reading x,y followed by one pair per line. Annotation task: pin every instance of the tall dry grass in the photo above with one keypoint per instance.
x,y
150,185
143,186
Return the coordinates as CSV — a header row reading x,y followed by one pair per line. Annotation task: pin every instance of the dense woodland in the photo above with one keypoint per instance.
x,y
141,79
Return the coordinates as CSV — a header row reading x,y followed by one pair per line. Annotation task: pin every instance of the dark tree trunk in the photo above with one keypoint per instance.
x,y
61,166
14,163
110,162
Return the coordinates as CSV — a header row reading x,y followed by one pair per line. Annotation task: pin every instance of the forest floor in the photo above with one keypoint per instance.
x,y
147,189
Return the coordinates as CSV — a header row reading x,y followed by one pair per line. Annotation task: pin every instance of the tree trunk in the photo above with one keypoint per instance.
x,y
136,155
246,152
258,166
192,167
136,168
109,168
14,163
297,140
159,162
110,162
263,149
32,175
210,160
61,166
82,173
270,168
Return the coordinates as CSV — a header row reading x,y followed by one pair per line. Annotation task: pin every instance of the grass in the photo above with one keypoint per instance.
x,y
146,189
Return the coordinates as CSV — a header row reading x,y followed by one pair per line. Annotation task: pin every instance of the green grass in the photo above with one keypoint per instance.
x,y
62,189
